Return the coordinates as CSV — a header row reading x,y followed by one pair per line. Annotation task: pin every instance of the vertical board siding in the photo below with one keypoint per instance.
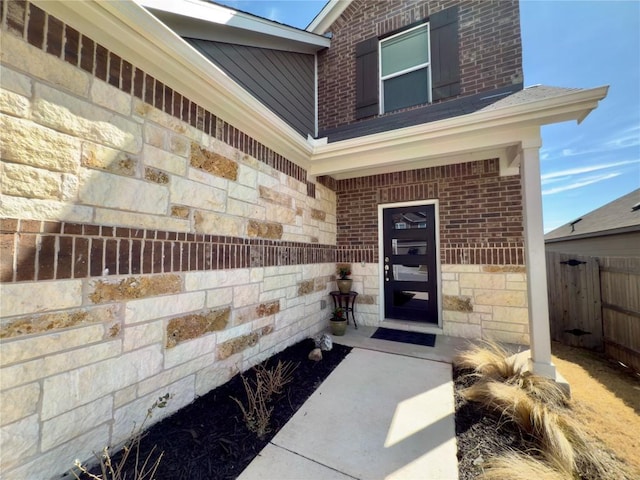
x,y
282,81
600,296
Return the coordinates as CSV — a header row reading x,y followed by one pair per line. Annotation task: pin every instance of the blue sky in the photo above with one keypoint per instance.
x,y
571,43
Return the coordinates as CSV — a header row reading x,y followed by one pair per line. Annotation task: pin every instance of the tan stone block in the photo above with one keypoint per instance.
x,y
194,194
24,142
137,336
231,347
206,178
48,322
156,176
269,308
219,297
180,211
213,223
153,308
30,371
108,159
167,161
15,82
14,104
242,192
134,287
168,121
244,295
206,280
516,286
508,298
462,330
457,303
318,215
247,176
188,366
64,427
450,288
107,96
461,268
213,163
19,403
114,191
126,395
179,145
193,326
264,229
453,316
511,315
18,54
305,287
506,337
274,196
25,181
18,441
69,390
70,114
154,135
239,208
58,459
16,299
504,268
505,327
215,375
181,394
516,277
139,220
480,280
276,213
279,281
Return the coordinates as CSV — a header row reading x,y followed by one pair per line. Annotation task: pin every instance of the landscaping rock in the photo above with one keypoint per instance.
x,y
315,355
323,342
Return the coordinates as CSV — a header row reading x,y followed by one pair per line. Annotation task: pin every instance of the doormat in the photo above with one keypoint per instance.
x,y
415,338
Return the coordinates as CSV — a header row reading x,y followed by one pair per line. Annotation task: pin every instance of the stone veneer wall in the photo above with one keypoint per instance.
x,y
484,290
147,247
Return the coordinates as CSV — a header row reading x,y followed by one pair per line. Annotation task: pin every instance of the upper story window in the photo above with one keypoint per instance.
x,y
416,66
405,73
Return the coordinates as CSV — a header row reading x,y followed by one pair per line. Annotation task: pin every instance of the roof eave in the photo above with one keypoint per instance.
x,y
601,233
465,134
329,14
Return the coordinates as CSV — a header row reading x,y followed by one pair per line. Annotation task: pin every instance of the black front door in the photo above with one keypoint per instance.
x,y
409,263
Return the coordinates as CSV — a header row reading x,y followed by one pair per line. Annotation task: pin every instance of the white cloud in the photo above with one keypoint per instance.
x,y
587,169
581,183
274,14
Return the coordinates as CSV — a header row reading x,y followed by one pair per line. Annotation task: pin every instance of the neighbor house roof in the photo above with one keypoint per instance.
x,y
620,216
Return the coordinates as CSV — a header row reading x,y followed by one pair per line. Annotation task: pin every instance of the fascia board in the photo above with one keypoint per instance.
x,y
135,34
209,16
437,136
329,14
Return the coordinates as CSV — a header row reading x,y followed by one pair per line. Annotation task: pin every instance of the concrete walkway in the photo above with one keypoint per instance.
x,y
378,415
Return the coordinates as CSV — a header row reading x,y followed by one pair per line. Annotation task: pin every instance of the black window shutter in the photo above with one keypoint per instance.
x,y
367,78
445,58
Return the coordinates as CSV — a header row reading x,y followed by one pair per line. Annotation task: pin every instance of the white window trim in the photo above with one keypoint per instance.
x,y
426,65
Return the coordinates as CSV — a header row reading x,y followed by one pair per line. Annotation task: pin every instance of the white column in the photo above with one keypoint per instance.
x,y
540,361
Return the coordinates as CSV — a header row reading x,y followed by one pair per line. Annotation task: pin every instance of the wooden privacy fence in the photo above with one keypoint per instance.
x,y
594,302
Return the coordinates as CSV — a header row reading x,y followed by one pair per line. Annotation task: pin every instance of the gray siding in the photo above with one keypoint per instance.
x,y
621,245
282,81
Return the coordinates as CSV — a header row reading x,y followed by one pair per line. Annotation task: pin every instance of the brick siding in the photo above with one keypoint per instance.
x,y
480,212
490,48
43,250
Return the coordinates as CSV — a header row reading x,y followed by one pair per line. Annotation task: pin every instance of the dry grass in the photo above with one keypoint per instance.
x,y
257,413
540,409
516,466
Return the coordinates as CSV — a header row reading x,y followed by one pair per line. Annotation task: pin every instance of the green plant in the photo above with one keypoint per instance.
x,y
338,314
344,271
257,413
116,471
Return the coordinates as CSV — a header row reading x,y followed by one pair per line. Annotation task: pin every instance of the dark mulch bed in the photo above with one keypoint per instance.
x,y
480,434
208,439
